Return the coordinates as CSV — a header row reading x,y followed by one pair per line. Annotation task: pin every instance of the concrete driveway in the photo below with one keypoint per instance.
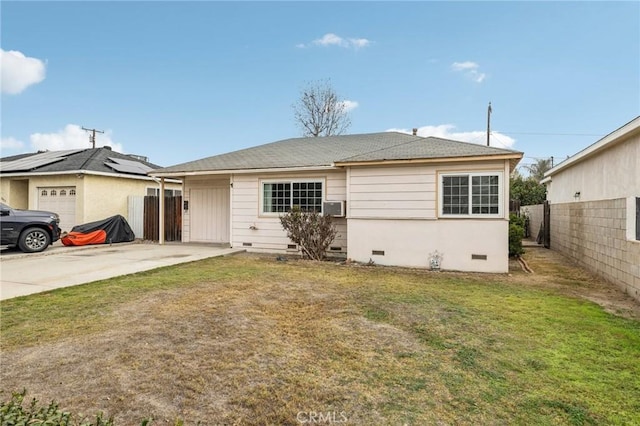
x,y
59,266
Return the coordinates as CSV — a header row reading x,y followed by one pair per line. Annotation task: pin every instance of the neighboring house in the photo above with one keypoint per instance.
x,y
81,185
594,201
397,198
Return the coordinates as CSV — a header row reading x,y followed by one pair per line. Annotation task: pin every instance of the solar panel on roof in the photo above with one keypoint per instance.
x,y
131,163
34,161
128,166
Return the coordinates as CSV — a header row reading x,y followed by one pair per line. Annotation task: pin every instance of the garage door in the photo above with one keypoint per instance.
x,y
209,213
62,200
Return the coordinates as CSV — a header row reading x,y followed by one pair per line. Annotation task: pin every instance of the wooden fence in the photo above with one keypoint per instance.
x,y
172,218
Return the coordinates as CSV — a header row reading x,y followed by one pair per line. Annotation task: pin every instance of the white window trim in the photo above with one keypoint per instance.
x,y
261,211
500,213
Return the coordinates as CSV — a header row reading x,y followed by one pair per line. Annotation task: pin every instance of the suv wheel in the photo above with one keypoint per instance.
x,y
34,240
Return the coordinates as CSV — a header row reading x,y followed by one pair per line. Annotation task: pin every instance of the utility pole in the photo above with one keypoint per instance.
x,y
92,136
488,122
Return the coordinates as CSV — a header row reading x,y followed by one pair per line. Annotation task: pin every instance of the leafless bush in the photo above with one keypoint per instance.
x,y
311,231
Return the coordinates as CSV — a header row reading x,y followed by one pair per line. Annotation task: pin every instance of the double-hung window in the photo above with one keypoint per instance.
x,y
282,196
471,194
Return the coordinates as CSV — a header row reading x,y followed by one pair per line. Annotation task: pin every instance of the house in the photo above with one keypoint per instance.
x,y
81,185
594,199
397,199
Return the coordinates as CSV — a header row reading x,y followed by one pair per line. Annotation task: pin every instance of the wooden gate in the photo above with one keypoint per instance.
x,y
546,227
172,218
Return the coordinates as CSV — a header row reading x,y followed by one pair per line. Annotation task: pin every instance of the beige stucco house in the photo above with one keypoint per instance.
x,y
396,198
594,201
81,185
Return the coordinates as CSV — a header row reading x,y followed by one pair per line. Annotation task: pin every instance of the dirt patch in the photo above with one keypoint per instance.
x,y
554,271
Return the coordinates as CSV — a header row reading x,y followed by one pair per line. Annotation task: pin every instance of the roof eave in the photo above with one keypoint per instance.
x,y
618,135
514,159
77,172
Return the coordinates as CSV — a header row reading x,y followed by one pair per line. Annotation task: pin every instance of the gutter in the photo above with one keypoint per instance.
x,y
241,171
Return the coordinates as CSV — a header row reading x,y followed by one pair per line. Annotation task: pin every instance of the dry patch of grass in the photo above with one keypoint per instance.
x,y
249,340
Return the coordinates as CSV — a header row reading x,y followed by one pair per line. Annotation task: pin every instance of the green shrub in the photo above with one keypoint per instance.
x,y
516,233
13,412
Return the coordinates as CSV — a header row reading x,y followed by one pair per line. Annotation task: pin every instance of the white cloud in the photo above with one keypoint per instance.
x,y
71,137
359,42
18,71
10,144
447,131
470,69
349,105
331,39
462,66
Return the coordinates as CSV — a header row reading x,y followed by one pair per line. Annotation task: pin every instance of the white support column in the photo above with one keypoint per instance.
x,y
231,211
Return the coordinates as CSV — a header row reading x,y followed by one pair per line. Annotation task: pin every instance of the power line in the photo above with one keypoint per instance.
x,y
550,134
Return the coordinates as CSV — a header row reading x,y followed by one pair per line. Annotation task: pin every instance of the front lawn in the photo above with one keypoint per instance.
x,y
251,340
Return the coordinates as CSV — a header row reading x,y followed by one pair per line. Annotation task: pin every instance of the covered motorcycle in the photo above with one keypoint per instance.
x,y
114,229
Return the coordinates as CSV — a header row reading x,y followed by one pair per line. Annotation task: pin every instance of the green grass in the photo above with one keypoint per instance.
x,y
250,340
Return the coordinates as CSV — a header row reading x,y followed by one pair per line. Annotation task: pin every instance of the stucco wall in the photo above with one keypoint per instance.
x,y
104,196
97,196
15,192
462,243
595,235
611,173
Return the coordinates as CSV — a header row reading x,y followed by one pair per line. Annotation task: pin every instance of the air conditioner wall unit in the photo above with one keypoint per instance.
x,y
334,208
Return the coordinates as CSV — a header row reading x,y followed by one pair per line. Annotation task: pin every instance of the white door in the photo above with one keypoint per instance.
x,y
61,200
209,215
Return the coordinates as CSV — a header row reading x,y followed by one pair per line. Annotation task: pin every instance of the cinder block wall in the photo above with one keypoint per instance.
x,y
536,215
593,233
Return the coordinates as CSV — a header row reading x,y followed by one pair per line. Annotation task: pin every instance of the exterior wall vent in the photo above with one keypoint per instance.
x,y
377,252
292,247
247,244
335,248
478,257
333,208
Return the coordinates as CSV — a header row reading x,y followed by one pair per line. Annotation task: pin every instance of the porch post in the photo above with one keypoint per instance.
x,y
161,213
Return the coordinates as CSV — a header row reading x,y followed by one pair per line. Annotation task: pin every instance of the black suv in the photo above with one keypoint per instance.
x,y
31,230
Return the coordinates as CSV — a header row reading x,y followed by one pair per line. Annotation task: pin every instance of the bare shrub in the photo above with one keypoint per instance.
x,y
311,231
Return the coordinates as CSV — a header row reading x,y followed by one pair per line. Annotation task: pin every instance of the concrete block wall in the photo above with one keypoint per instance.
x,y
593,233
536,215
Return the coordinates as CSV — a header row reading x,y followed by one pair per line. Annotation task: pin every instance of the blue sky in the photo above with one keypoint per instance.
x,y
180,81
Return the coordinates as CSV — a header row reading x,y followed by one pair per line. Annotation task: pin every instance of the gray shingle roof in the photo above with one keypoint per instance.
x,y
326,151
91,159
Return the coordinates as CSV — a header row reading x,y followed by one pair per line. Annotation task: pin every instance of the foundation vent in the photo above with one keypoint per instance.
x,y
247,244
377,252
478,257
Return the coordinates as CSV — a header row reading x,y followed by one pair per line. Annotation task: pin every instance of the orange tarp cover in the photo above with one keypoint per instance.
x,y
82,239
